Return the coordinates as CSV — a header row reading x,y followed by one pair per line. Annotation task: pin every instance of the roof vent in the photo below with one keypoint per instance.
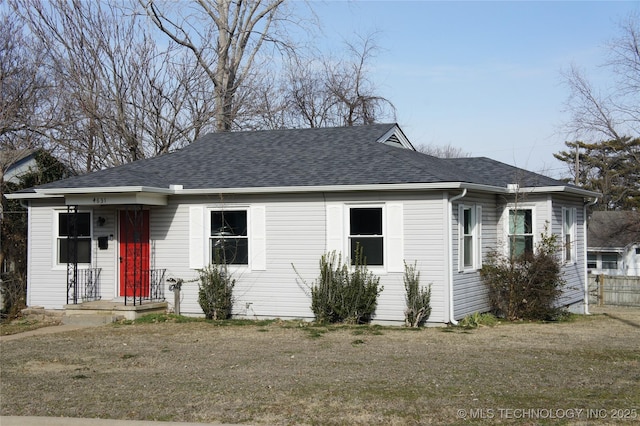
x,y
176,187
513,187
393,140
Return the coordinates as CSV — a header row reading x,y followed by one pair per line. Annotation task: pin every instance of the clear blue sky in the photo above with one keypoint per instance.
x,y
481,76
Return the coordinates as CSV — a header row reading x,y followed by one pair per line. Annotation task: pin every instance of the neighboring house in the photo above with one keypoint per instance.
x,y
275,200
614,243
15,163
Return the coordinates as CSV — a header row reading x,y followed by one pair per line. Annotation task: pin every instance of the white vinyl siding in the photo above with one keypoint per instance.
x,y
289,234
469,293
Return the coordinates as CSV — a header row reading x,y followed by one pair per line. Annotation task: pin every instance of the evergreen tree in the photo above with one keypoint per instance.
x,y
611,167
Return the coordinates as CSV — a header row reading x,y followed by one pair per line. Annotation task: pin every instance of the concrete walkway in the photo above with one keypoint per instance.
x,y
43,330
69,421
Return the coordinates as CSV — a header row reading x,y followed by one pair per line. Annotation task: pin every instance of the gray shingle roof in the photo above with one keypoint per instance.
x,y
613,229
299,157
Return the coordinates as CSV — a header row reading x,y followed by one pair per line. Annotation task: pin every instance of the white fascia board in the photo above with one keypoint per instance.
x,y
28,196
343,188
104,190
566,189
618,250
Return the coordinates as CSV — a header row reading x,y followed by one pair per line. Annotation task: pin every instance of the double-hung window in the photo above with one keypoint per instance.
x,y
520,232
229,242
469,219
74,237
609,261
569,234
366,234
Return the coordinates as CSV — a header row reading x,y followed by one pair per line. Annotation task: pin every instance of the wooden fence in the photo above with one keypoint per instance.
x,y
614,290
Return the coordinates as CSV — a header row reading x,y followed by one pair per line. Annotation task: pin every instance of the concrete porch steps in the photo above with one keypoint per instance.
x,y
108,311
90,319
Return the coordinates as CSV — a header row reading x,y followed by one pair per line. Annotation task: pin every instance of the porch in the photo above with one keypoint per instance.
x,y
108,311
136,287
146,286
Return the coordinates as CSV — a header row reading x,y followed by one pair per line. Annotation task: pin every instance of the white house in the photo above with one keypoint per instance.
x,y
283,198
614,243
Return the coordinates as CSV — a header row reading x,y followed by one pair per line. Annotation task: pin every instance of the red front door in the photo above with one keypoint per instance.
x,y
134,253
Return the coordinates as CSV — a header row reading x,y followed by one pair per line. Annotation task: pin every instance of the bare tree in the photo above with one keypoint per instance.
x,y
443,151
321,90
308,97
119,97
350,84
610,112
225,37
23,87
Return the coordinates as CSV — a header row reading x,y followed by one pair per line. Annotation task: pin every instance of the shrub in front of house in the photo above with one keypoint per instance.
x,y
215,291
418,299
525,286
343,293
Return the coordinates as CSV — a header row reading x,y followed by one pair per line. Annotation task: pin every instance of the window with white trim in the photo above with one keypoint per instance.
x,y
366,233
74,227
469,220
569,234
229,240
520,232
592,260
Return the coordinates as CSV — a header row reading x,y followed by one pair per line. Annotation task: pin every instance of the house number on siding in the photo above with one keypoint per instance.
x,y
99,200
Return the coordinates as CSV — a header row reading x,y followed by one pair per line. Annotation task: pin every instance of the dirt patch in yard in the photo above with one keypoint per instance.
x,y
294,373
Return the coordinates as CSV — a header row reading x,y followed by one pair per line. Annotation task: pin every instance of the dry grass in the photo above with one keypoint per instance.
x,y
293,373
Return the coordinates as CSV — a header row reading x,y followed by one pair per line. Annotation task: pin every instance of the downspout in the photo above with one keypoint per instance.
x,y
452,319
584,233
27,206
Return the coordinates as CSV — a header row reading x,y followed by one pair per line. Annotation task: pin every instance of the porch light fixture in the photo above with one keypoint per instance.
x,y
101,221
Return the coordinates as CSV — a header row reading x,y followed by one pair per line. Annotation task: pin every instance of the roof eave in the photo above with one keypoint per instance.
x,y
560,188
179,190
104,190
416,186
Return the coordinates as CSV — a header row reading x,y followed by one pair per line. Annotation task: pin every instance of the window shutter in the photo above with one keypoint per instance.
x,y
394,237
335,228
258,238
196,237
460,237
478,239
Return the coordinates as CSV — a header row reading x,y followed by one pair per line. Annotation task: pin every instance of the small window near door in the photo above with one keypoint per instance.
x,y
592,261
74,235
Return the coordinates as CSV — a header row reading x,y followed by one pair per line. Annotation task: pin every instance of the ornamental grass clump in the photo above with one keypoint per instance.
x,y
343,293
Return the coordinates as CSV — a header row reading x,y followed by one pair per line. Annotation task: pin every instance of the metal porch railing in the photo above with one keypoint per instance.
x,y
83,286
149,287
